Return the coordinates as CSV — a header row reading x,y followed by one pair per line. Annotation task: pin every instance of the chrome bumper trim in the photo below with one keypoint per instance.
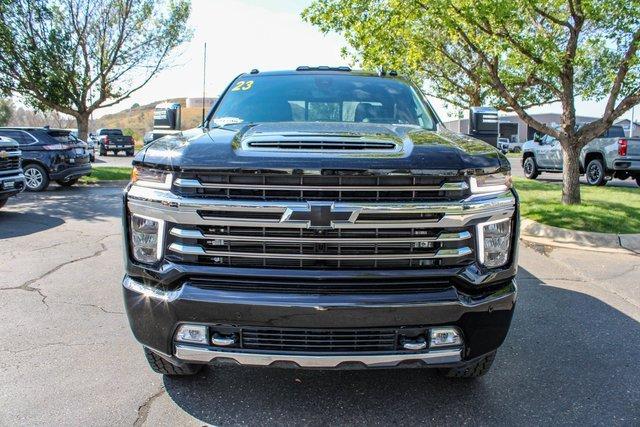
x,y
189,353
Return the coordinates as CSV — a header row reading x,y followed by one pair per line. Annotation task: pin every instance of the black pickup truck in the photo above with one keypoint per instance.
x,y
320,218
113,140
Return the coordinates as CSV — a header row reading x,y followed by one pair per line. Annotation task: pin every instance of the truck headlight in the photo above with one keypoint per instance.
x,y
491,183
146,238
494,242
153,178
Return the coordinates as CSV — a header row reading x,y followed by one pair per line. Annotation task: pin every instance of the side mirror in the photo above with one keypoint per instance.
x,y
537,138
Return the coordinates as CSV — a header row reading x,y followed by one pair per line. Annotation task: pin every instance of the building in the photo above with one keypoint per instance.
x,y
514,128
626,126
197,102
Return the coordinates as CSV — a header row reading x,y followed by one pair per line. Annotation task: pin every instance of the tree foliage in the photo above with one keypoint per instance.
x,y
75,56
6,111
521,52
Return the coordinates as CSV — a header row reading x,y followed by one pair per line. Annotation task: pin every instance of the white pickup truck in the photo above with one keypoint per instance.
x,y
611,156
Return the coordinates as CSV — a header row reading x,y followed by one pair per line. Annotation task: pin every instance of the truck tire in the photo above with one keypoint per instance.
x,y
3,202
37,178
103,152
472,370
129,153
530,168
67,183
595,173
164,367
638,180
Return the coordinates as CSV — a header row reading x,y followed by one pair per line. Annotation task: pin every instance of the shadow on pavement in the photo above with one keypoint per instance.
x,y
33,212
14,224
569,358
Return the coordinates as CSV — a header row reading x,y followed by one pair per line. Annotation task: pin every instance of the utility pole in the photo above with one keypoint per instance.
x,y
204,79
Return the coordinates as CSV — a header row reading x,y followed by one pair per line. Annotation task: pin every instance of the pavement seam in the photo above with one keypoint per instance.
x,y
51,344
145,408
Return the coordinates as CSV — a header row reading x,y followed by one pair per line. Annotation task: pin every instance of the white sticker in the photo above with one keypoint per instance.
x,y
222,121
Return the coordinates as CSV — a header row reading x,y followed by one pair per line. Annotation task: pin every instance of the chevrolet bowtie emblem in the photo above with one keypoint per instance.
x,y
3,154
320,215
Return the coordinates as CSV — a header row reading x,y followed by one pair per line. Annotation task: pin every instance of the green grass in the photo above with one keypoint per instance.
x,y
513,155
108,173
603,209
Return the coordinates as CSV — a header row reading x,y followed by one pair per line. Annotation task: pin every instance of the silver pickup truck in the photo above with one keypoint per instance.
x,y
611,156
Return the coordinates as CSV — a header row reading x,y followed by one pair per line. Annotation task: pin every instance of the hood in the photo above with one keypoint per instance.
x,y
8,143
398,148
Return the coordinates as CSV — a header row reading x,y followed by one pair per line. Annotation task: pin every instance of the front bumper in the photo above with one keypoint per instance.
x,y
155,315
10,185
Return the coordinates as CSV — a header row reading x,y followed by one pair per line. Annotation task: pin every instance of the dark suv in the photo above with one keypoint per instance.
x,y
50,154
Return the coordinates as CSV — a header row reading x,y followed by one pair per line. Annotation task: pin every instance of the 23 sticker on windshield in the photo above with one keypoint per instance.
x,y
242,85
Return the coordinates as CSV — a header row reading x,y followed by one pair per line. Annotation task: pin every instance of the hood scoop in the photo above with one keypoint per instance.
x,y
316,137
317,143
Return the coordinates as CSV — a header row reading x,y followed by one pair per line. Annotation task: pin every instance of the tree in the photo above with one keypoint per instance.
x,y
76,56
6,112
528,52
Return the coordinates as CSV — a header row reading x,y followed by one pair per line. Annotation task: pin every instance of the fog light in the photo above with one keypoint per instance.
x,y
445,337
192,333
146,238
494,242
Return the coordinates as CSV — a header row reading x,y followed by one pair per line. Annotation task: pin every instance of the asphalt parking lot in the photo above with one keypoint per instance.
x,y
68,357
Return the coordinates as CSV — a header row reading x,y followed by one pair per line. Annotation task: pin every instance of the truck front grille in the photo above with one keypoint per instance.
x,y
318,340
336,186
341,248
9,164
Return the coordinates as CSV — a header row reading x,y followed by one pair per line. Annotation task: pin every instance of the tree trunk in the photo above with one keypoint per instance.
x,y
571,173
82,122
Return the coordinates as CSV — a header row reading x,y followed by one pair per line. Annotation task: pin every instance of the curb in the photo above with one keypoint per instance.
x,y
548,235
118,183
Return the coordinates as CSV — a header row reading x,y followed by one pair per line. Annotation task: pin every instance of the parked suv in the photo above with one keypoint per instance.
x,y
49,154
11,178
320,218
612,155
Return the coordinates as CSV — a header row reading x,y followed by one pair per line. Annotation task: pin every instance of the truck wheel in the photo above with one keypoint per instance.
x,y
472,370
129,153
37,178
3,202
103,152
162,366
638,180
530,168
595,173
67,183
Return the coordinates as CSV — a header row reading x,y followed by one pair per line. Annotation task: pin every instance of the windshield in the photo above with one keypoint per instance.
x,y
322,98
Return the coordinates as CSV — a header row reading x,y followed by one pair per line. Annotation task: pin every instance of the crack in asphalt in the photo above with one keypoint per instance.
x,y
99,307
143,410
26,286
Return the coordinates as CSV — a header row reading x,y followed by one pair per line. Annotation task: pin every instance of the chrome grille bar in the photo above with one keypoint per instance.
x,y
442,237
449,186
198,250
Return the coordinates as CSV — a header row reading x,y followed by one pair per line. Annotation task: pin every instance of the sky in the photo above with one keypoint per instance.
x,y
263,34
